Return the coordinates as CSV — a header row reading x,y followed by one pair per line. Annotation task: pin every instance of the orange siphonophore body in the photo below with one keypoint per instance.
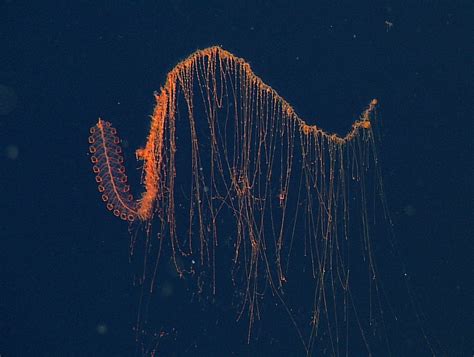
x,y
214,62
242,190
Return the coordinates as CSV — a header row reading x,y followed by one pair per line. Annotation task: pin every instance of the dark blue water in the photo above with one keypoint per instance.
x,y
65,278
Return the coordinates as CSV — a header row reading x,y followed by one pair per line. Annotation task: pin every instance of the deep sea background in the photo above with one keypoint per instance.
x,y
65,279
